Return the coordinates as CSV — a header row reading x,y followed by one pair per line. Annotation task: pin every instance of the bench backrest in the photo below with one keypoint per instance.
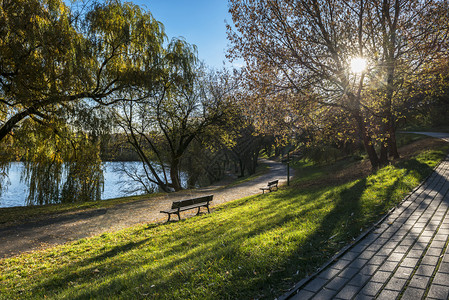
x,y
274,182
193,201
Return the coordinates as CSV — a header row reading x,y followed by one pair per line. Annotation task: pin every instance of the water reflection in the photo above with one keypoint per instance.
x,y
116,183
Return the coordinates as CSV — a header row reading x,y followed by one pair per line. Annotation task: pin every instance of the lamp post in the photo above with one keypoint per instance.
x,y
288,167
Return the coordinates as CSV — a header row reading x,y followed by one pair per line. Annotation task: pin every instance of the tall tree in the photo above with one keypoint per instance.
x,y
53,58
183,106
307,47
57,68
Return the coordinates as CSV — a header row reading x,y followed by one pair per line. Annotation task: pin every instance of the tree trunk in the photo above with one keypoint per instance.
x,y
242,168
393,147
383,156
174,175
368,143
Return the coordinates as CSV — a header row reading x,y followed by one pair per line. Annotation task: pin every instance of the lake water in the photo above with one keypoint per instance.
x,y
116,184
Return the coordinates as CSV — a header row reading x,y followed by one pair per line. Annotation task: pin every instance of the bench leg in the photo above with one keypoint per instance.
x,y
208,211
169,215
179,216
199,208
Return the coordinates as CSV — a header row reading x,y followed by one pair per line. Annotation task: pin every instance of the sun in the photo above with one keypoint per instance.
x,y
358,64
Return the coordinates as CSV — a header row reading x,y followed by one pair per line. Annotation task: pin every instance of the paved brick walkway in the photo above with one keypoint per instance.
x,y
406,256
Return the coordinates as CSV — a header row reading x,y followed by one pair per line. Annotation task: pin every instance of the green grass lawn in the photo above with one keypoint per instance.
x,y
256,247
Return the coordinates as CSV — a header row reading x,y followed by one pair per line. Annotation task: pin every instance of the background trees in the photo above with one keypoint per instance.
x,y
306,48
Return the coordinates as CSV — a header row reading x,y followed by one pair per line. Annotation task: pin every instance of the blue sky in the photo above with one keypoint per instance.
x,y
200,22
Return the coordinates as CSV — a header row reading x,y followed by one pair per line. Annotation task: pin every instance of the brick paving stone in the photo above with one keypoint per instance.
x,y
396,257
367,254
403,272
316,284
415,253
303,295
362,297
446,256
444,267
425,270
385,251
381,276
438,291
359,280
337,283
369,239
434,251
388,295
368,270
358,263
374,247
429,260
348,272
350,255
410,262
442,234
419,281
395,284
324,294
437,244
407,242
359,248
348,292
441,278
428,233
412,293
420,247
389,266
419,226
424,239
401,249
388,234
377,260
371,288
328,273
340,264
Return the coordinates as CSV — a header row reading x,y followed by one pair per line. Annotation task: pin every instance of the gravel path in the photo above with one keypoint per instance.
x,y
76,225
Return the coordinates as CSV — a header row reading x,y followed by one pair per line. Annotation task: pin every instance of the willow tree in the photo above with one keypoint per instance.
x,y
58,66
307,47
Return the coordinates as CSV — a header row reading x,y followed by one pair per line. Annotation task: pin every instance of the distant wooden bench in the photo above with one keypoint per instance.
x,y
271,186
182,205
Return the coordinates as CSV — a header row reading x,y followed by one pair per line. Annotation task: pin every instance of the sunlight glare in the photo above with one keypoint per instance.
x,y
358,65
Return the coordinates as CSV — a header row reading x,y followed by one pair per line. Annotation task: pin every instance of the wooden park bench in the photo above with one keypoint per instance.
x,y
271,186
182,205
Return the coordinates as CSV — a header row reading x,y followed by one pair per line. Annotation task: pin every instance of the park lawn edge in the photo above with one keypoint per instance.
x,y
255,247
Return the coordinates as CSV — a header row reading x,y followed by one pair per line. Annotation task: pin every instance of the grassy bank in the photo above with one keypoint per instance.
x,y
256,247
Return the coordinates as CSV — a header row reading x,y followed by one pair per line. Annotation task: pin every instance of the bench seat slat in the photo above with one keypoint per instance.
x,y
182,205
271,186
175,210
